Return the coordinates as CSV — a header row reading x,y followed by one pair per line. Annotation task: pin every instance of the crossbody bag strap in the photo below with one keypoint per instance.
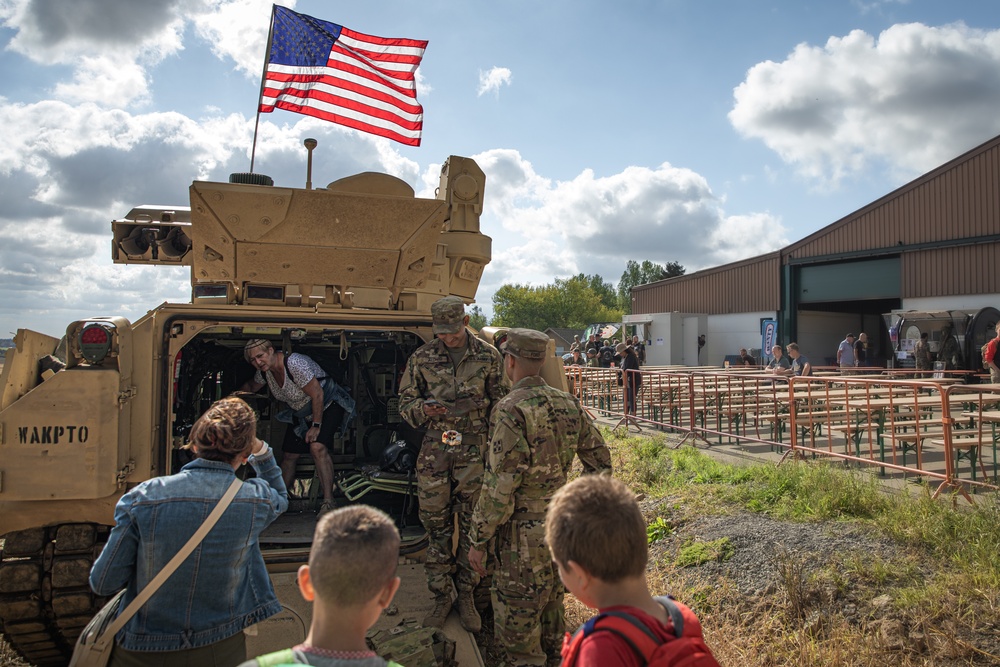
x,y
288,371
174,563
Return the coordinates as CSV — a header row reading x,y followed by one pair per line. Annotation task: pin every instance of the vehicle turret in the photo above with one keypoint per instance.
x,y
362,241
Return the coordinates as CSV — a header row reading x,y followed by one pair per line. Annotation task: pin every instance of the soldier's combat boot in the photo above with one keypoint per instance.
x,y
442,607
467,613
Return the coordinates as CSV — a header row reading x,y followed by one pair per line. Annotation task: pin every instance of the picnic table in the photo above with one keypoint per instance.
x,y
991,417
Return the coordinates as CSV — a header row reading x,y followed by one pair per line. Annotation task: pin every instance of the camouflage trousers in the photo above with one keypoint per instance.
x,y
528,616
448,482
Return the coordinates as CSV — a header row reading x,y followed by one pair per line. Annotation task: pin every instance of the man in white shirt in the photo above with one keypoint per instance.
x,y
845,353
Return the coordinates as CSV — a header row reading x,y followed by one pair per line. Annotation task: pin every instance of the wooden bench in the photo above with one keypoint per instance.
x,y
853,432
812,419
968,446
908,441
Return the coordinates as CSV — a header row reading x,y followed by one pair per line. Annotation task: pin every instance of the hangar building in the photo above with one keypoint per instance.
x,y
932,245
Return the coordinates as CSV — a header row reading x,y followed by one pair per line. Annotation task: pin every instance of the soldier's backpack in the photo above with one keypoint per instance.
x,y
686,649
408,643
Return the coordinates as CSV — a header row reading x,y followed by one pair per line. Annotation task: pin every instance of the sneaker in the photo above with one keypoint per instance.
x,y
435,619
471,620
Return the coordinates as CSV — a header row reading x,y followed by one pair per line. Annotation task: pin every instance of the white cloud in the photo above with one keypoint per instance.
x,y
911,99
107,44
594,224
491,80
112,46
107,81
237,30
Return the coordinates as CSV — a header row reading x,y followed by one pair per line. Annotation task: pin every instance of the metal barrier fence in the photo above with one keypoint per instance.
x,y
932,427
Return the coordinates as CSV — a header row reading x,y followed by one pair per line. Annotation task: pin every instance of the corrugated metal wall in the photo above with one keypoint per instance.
x,y
970,269
960,199
743,287
957,205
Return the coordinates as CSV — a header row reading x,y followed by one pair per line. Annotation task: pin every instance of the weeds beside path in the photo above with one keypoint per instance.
x,y
810,564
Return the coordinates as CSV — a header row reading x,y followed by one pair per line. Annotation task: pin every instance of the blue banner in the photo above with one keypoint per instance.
x,y
768,337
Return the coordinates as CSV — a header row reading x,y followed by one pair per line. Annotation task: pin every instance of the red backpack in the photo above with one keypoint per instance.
x,y
687,649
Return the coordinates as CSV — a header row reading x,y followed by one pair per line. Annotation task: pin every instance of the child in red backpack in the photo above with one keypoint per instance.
x,y
598,541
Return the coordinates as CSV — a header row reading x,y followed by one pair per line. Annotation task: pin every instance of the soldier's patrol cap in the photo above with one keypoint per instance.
x,y
526,343
448,314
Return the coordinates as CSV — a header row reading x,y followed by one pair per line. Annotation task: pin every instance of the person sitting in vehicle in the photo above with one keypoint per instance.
x,y
350,580
310,396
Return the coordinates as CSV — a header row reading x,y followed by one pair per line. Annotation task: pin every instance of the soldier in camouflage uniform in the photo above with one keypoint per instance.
x,y
451,384
535,432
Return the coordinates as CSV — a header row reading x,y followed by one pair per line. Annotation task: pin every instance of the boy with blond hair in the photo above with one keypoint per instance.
x,y
597,537
350,579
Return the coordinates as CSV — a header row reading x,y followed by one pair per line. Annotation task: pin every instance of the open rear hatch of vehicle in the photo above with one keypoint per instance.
x,y
208,363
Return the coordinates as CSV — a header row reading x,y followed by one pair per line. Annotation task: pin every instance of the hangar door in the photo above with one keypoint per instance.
x,y
849,281
826,300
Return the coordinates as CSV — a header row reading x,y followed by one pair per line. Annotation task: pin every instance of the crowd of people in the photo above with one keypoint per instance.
x,y
602,353
494,464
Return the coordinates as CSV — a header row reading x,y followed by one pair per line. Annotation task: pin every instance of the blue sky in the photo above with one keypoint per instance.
x,y
674,130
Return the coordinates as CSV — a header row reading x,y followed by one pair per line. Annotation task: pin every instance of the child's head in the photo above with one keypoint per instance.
x,y
595,523
354,555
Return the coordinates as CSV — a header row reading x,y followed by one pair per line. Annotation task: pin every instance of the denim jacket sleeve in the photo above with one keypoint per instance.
x,y
269,475
116,565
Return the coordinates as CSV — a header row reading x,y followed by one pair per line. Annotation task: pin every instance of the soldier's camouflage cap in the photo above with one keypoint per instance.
x,y
526,343
448,314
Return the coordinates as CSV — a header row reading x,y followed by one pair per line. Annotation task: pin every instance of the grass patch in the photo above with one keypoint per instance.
x,y
658,529
698,553
796,491
932,597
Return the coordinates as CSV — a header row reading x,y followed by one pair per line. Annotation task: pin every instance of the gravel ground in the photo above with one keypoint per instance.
x,y
759,543
814,569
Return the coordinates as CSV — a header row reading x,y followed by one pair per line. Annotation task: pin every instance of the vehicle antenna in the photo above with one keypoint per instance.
x,y
310,144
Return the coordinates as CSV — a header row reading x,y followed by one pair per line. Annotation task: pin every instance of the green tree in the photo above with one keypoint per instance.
x,y
596,284
642,274
477,319
565,303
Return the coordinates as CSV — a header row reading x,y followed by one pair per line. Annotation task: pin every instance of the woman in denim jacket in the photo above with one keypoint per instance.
x,y
198,616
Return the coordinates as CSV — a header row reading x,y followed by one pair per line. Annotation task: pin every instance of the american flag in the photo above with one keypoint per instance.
x,y
331,72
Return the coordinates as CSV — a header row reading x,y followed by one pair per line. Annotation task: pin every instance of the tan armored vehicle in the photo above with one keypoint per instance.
x,y
345,274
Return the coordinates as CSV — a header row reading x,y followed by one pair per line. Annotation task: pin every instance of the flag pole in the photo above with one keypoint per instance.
x,y
263,78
